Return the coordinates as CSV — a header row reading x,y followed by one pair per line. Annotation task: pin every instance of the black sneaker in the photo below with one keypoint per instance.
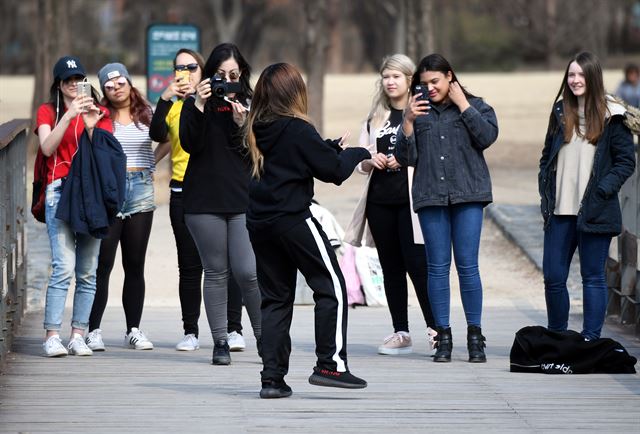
x,y
221,354
275,389
329,378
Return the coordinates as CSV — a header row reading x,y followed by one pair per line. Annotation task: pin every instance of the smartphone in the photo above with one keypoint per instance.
x,y
84,88
182,77
418,88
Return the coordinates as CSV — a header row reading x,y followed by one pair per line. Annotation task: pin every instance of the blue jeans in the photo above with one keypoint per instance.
x,y
139,196
560,241
71,253
459,226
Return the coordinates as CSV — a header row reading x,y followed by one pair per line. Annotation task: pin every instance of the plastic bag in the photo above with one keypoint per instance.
x,y
371,278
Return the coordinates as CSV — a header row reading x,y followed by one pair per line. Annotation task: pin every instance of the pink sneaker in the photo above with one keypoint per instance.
x,y
397,343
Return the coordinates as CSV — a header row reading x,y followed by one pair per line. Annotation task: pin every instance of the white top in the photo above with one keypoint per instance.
x,y
574,167
136,144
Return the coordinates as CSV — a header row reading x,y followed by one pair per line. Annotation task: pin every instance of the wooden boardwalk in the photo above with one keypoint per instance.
x,y
163,390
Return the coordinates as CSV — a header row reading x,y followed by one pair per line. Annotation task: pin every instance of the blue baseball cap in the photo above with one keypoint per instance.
x,y
66,67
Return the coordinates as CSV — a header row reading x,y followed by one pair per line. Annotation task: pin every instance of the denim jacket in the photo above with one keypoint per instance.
x,y
613,162
446,148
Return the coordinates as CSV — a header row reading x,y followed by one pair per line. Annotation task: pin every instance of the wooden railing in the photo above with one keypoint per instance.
x,y
623,267
13,267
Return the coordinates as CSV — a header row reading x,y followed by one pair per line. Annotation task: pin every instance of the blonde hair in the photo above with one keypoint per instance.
x,y
381,106
280,92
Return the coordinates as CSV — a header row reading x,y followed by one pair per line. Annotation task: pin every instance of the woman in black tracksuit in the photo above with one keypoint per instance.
x,y
287,153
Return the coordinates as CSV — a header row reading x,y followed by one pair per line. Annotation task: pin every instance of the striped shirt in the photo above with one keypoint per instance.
x,y
136,144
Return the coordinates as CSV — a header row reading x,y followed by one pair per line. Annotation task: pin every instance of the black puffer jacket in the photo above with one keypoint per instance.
x,y
613,162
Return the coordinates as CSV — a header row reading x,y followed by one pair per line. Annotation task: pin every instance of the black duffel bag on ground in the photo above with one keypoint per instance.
x,y
539,350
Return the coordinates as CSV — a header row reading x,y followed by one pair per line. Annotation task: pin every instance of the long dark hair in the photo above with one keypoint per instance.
x,y
436,62
595,103
140,108
225,52
280,92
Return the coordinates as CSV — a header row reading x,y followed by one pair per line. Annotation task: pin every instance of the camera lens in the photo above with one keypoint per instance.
x,y
219,91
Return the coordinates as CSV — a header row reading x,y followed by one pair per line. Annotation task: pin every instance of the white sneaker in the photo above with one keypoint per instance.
x,y
397,343
77,347
188,343
137,340
53,347
236,341
94,340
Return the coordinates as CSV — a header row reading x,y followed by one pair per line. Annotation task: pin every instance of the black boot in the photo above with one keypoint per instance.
x,y
476,345
221,354
444,344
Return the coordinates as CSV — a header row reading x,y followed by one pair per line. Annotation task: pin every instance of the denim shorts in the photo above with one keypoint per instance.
x,y
139,194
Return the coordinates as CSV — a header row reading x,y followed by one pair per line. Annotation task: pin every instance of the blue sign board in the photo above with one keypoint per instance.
x,y
163,41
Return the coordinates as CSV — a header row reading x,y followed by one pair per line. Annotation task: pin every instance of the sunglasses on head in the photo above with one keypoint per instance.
x,y
191,67
110,85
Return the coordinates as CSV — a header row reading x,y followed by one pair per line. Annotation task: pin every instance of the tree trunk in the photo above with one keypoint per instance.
x,y
413,35
315,55
227,19
400,45
335,23
426,24
52,40
552,31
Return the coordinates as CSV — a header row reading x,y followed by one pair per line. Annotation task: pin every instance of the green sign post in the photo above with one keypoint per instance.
x,y
163,41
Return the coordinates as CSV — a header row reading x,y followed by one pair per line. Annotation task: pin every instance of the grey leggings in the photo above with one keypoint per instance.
x,y
223,241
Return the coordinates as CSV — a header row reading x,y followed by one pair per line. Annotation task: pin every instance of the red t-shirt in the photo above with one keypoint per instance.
x,y
60,161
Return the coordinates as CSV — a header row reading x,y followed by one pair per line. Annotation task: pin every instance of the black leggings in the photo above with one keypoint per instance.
x,y
392,232
132,233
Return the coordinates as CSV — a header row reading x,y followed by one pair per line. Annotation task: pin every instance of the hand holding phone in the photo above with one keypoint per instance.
x,y
84,91
183,76
84,88
420,89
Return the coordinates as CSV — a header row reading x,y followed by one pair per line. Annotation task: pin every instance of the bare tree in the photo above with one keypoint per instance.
x,y
315,55
51,30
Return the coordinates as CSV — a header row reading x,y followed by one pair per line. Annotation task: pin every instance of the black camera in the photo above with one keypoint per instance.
x,y
220,87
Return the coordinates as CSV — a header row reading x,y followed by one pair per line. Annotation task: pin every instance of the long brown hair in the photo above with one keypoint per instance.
x,y
140,108
280,92
595,103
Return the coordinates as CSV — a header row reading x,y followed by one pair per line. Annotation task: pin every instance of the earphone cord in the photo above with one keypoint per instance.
x,y
75,134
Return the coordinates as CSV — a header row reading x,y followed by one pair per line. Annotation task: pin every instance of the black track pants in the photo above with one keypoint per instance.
x,y
304,247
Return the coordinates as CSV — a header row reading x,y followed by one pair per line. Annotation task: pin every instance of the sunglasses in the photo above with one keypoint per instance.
x,y
233,75
111,85
191,67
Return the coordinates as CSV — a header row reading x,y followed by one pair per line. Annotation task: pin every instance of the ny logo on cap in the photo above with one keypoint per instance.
x,y
71,64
